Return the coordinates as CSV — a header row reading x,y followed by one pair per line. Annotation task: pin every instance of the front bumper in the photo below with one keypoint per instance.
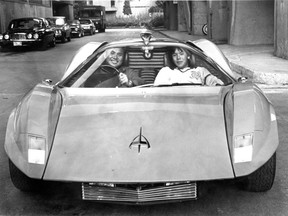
x,y
20,43
140,193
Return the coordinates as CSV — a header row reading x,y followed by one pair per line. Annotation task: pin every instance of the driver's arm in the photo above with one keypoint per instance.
x,y
130,77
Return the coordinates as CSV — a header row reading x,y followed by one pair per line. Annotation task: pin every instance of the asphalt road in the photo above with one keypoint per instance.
x,y
21,69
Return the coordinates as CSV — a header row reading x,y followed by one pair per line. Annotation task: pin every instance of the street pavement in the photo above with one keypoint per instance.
x,y
256,62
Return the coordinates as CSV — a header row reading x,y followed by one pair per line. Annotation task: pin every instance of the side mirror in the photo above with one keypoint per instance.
x,y
242,79
47,81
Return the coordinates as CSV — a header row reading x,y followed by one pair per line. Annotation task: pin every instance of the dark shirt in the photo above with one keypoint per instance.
x,y
103,79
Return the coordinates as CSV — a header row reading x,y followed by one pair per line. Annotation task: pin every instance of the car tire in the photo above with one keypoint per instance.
x,y
4,48
262,179
53,42
21,181
44,45
63,39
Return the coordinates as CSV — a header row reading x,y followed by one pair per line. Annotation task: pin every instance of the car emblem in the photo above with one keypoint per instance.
x,y
139,141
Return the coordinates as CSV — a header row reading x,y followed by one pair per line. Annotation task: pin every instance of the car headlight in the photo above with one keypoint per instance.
x,y
6,37
1,37
36,36
76,29
29,36
243,148
36,149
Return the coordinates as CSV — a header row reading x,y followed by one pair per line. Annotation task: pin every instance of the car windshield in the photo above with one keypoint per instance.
x,y
85,21
75,22
155,67
56,21
25,24
90,13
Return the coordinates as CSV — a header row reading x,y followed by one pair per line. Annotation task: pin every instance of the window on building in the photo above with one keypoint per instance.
x,y
112,3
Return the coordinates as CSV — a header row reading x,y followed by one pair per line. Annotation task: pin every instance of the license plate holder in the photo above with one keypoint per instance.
x,y
17,43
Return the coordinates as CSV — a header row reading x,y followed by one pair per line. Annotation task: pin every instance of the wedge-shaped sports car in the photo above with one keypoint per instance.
x,y
147,143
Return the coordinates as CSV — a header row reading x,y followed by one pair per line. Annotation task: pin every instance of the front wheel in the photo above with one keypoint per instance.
x,y
21,181
43,45
262,179
53,42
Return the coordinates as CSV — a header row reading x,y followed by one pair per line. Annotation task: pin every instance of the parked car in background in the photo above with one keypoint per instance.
x,y
76,29
88,26
28,31
62,28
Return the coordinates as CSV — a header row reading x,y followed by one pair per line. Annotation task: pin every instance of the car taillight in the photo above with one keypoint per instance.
x,y
243,148
1,37
6,37
36,149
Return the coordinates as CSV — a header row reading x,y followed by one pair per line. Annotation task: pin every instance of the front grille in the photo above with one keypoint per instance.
x,y
19,36
140,193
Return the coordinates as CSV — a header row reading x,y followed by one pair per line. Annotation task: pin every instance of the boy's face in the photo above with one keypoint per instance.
x,y
180,58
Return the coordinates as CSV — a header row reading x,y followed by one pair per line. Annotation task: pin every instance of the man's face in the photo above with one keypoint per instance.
x,y
115,57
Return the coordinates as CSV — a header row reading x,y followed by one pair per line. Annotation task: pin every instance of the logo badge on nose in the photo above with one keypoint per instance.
x,y
140,141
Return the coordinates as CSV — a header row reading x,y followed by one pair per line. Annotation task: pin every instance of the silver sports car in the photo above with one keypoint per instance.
x,y
146,143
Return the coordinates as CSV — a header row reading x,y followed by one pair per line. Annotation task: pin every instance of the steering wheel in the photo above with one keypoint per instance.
x,y
110,70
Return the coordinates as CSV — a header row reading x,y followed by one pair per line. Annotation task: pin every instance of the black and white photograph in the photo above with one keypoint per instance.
x,y
144,107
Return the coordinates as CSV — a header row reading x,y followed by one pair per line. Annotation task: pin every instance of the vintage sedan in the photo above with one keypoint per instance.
x,y
28,31
148,143
88,26
76,29
62,28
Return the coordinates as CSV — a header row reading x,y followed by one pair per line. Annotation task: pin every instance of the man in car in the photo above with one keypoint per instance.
x,y
127,77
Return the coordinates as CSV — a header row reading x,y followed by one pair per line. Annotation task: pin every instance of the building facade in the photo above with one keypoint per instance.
x,y
114,8
235,22
11,9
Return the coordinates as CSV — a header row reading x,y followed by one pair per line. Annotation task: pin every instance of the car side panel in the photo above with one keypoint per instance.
x,y
254,113
36,115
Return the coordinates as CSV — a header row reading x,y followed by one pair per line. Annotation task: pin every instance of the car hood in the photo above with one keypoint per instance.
x,y
58,26
140,135
12,31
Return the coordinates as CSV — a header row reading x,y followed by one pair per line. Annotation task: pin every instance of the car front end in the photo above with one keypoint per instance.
x,y
145,144
87,28
19,39
76,30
